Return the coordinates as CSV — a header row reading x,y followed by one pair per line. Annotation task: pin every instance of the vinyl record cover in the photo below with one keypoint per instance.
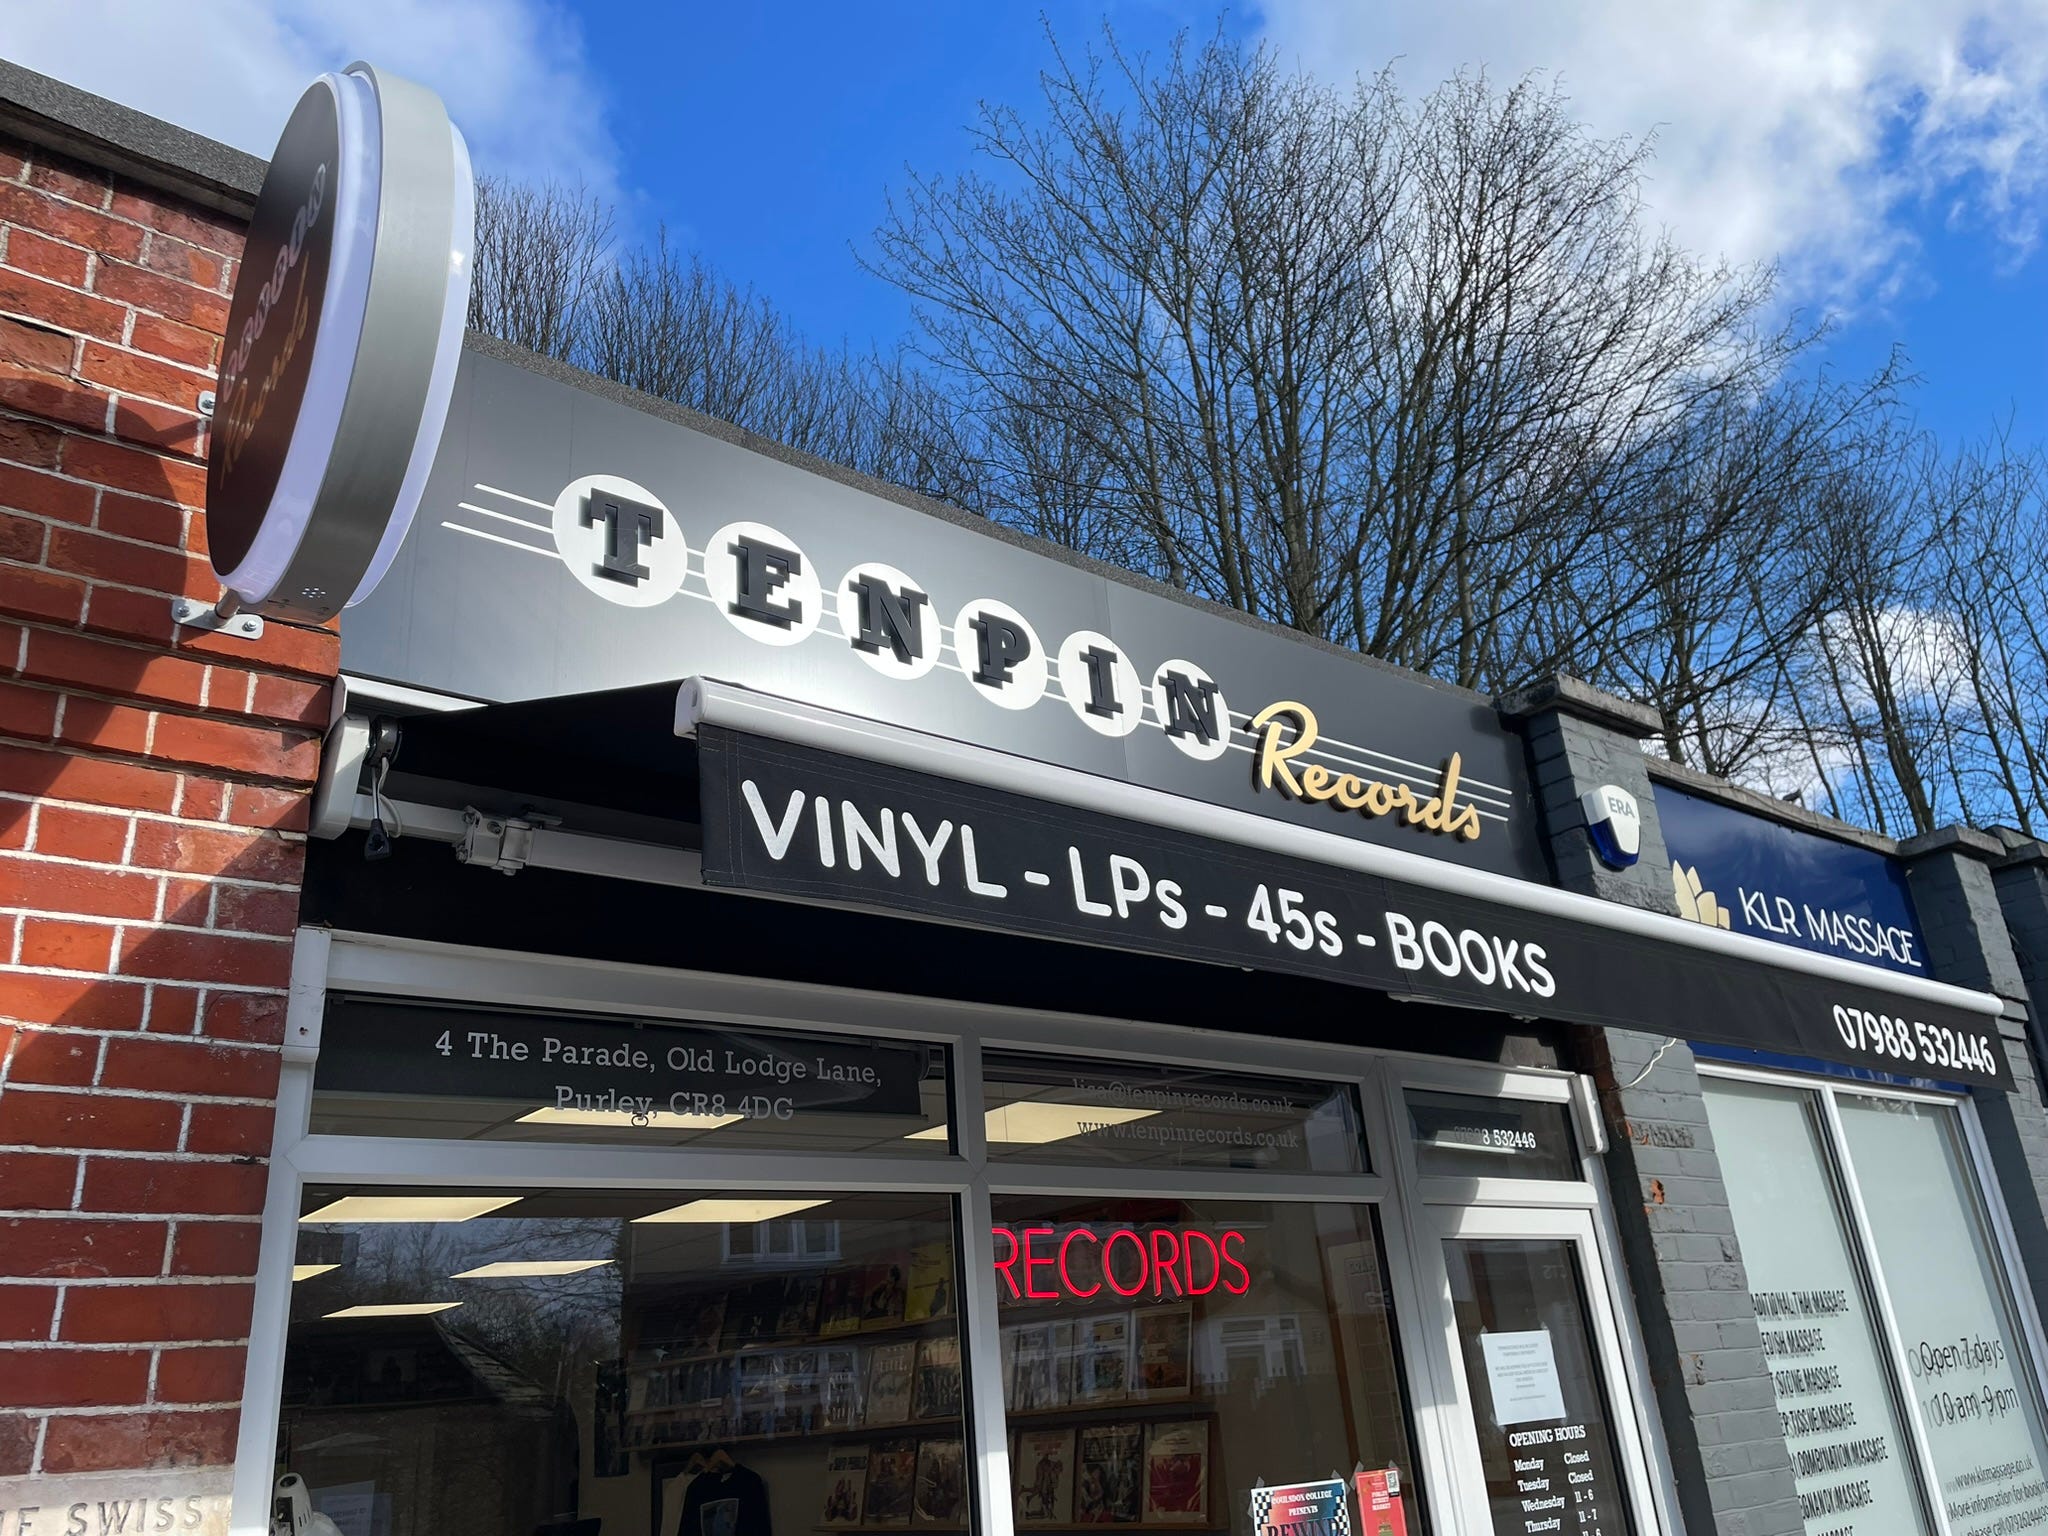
x,y
704,1325
930,1292
892,1482
1034,1368
1105,1360
760,1393
1161,1344
846,1481
1108,1475
798,1316
1065,1345
1043,1472
941,1483
937,1395
750,1313
891,1372
882,1295
1177,1473
839,1388
839,1303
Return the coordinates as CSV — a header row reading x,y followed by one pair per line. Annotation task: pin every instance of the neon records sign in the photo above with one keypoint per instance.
x,y
341,345
621,542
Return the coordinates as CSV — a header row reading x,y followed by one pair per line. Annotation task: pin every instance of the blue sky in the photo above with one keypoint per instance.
x,y
1891,154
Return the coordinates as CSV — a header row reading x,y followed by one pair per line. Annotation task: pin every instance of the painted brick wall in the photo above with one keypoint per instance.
x,y
153,791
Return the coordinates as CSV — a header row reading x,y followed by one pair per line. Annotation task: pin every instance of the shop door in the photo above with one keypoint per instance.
x,y
1541,1439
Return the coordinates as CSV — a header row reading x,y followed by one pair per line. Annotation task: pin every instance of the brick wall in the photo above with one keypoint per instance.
x,y
153,792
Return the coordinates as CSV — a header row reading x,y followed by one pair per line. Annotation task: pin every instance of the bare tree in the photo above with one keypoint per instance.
x,y
540,251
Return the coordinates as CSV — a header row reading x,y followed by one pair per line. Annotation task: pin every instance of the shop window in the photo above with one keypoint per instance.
x,y
1052,1109
1852,1461
1162,1358
1969,1370
1546,1443
472,1363
1469,1135
395,1068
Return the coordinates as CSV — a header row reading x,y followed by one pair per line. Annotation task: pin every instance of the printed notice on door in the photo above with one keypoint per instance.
x,y
1521,1368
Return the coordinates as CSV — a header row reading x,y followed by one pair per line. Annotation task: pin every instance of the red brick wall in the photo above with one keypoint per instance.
x,y
153,792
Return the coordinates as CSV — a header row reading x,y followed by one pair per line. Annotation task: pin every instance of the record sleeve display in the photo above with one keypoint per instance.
x,y
892,1483
941,1497
846,1482
1108,1482
891,1379
1177,1473
1162,1342
1043,1473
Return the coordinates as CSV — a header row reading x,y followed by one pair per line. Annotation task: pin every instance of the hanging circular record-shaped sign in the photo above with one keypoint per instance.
x,y
341,345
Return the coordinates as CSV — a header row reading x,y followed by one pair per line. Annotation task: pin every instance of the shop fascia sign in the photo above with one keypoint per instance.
x,y
763,580
1733,869
576,540
343,337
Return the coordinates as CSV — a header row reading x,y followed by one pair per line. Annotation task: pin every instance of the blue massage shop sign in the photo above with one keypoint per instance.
x,y
1748,874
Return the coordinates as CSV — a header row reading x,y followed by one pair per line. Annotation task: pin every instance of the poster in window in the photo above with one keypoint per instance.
x,y
1177,1473
839,1303
839,1388
1045,1477
798,1317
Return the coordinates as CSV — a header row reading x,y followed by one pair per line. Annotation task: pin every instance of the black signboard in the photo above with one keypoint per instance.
x,y
630,1068
794,821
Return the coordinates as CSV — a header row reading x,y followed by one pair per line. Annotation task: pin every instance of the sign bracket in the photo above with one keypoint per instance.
x,y
223,617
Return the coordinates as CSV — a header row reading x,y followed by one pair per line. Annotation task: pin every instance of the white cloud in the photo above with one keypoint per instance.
x,y
1792,130
513,72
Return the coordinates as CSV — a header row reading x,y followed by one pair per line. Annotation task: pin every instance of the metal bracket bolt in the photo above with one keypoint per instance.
x,y
194,613
503,843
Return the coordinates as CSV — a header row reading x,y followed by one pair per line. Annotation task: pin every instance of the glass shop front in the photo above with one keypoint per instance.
x,y
596,1271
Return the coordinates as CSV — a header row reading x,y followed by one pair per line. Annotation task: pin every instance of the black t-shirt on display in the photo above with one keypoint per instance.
x,y
729,1503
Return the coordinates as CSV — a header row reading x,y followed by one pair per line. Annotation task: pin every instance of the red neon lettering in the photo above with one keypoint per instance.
x,y
1166,1248
1003,1264
1187,1261
1066,1275
1109,1272
1032,1261
1244,1282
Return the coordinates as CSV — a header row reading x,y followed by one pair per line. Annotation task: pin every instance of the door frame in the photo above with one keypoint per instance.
x,y
1522,1223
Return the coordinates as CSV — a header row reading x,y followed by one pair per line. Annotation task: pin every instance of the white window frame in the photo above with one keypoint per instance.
x,y
1841,1174
369,964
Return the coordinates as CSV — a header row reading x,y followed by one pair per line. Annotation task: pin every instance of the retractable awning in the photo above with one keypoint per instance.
x,y
706,783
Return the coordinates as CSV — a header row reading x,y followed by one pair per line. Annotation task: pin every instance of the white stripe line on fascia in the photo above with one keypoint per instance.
x,y
503,517
491,490
478,533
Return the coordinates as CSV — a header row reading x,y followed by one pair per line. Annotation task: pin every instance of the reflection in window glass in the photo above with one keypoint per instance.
x,y
1851,1460
1967,1365
1545,1441
471,1364
1467,1135
1160,1357
1135,1114
395,1068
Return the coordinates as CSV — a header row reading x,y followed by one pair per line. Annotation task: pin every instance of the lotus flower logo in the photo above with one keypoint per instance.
x,y
1694,902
